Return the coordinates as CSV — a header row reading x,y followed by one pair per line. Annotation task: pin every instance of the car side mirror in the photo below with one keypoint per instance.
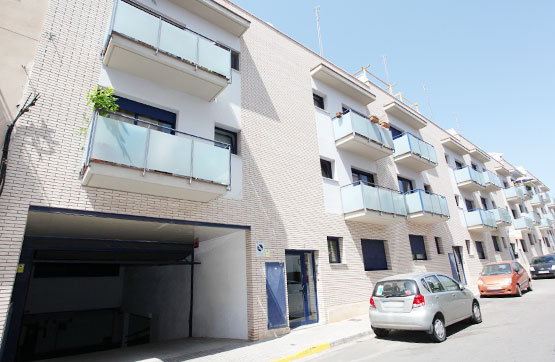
x,y
461,286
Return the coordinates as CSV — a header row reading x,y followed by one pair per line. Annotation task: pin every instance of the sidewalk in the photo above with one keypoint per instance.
x,y
301,342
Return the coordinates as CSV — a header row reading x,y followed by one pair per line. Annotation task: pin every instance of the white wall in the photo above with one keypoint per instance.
x,y
220,288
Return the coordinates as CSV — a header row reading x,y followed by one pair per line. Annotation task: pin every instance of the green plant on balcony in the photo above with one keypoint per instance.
x,y
103,100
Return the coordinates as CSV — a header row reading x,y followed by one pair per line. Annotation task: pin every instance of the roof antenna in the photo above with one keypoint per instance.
x,y
317,9
457,123
384,58
428,100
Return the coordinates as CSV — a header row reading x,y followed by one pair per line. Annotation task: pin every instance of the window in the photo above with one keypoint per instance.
x,y
394,131
468,246
493,204
504,242
145,116
405,185
318,101
334,250
439,247
427,188
531,239
457,200
434,284
458,164
418,247
513,211
495,243
365,177
523,244
546,242
474,167
480,250
505,184
484,203
326,168
513,249
448,284
234,60
373,254
469,204
521,207
227,137
446,159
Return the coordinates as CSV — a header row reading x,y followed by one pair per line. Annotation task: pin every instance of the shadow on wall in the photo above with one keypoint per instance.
x,y
5,117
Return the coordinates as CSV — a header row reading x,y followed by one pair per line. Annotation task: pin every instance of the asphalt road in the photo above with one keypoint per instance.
x,y
513,329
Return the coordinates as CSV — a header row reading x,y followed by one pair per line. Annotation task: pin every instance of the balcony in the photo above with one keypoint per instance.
x,y
545,223
514,195
480,220
356,134
136,158
425,207
551,203
528,194
502,217
523,223
537,200
372,204
536,219
492,181
469,179
412,152
152,47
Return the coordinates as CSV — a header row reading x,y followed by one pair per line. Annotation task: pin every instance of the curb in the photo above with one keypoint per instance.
x,y
322,347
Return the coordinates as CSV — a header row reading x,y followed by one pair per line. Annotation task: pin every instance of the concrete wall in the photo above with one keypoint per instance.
x,y
220,288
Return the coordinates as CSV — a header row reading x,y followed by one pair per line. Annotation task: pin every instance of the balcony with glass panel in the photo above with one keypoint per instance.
x,y
469,179
371,204
355,133
131,155
545,223
550,203
426,207
502,217
414,153
514,195
155,48
536,219
537,200
523,223
480,220
493,183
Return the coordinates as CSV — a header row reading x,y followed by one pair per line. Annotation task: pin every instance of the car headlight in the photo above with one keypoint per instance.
x,y
507,281
532,268
480,282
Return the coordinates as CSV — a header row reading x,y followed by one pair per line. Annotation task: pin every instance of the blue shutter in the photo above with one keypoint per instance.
x,y
417,245
373,254
275,292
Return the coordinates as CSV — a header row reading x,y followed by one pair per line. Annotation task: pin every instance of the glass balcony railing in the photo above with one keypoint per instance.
x,y
493,179
479,217
363,196
409,143
139,146
523,223
502,216
526,191
545,223
467,173
537,199
351,123
533,216
164,35
418,201
514,193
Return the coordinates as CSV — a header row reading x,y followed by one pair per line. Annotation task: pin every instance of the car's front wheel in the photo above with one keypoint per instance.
x,y
380,332
476,313
439,334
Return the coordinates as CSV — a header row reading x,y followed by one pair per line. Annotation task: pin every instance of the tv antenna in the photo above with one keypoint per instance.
x,y
317,10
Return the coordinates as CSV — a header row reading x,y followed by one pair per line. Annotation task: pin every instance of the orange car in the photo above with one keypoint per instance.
x,y
504,277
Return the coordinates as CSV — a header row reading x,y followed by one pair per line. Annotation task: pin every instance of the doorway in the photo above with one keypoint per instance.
x,y
301,287
457,251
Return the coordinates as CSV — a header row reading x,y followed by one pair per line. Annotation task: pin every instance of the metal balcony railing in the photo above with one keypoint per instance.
x,y
353,123
491,178
502,216
467,173
523,223
479,217
365,196
409,143
514,192
424,201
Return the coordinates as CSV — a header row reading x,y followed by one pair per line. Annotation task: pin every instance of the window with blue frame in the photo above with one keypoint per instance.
x,y
394,131
373,255
480,250
334,250
531,239
495,243
418,247
365,177
405,185
439,247
523,243
144,115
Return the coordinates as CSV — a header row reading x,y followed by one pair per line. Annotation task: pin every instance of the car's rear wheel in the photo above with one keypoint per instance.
x,y
438,330
529,285
518,291
380,332
476,313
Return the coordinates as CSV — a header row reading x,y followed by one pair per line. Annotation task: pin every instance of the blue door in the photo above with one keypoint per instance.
x,y
275,292
457,251
454,269
301,287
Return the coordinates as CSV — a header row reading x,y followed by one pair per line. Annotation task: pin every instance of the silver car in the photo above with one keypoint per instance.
x,y
421,302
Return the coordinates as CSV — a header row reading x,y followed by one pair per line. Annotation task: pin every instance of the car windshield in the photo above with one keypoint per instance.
x,y
396,288
543,259
497,269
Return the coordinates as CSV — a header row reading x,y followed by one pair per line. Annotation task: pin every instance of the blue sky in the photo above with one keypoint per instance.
x,y
492,63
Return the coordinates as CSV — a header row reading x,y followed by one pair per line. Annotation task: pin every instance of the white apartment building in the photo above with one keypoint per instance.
x,y
241,189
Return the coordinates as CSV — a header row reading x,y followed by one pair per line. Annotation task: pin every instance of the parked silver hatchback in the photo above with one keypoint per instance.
x,y
422,302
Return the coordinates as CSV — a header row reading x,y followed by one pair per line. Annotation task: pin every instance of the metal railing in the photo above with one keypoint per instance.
x,y
479,217
353,123
491,178
537,199
423,201
153,147
164,35
545,223
502,216
514,192
523,223
407,142
467,173
362,195
533,216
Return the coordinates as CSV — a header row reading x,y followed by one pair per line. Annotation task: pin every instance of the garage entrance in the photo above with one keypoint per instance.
x,y
152,280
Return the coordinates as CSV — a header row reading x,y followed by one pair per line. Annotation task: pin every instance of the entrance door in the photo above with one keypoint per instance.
x,y
457,250
301,287
454,267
